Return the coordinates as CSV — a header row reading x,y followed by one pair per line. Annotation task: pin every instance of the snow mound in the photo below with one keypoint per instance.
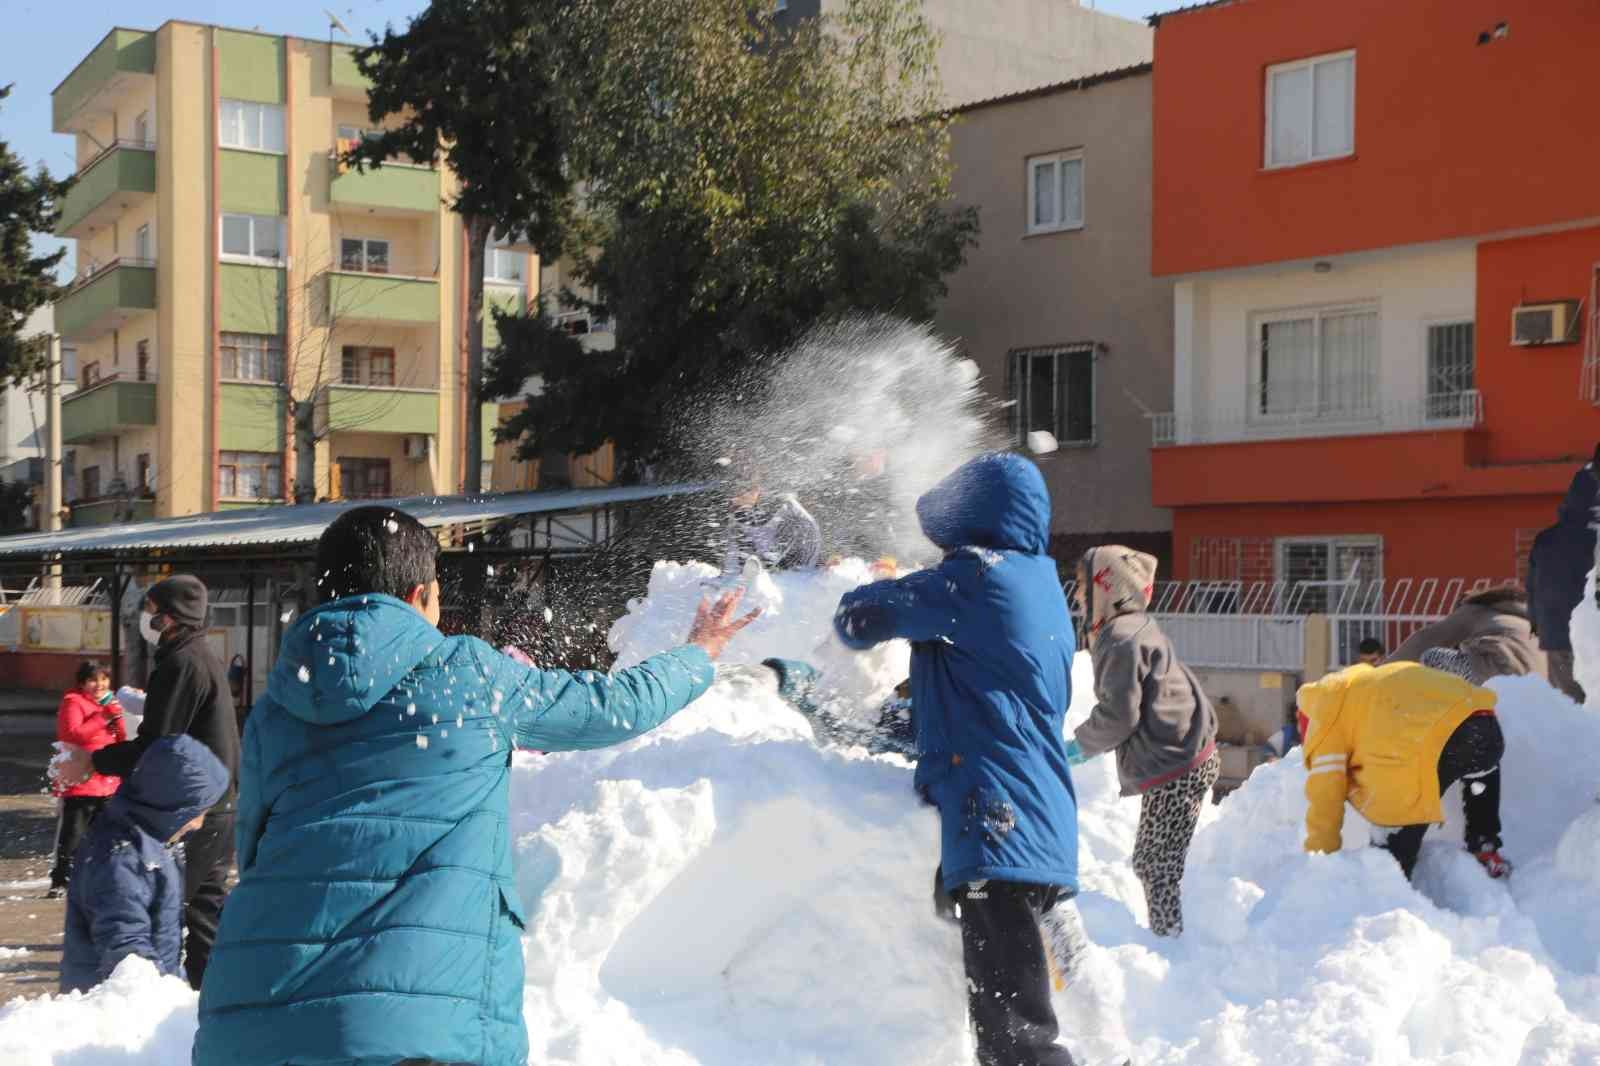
x,y
723,892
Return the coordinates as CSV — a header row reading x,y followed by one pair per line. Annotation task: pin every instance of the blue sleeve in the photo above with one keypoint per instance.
x,y
559,710
121,923
919,606
252,806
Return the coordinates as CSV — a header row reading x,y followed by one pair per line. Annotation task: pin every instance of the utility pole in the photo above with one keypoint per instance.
x,y
52,456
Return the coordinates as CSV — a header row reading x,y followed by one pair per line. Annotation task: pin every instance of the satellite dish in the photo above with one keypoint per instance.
x,y
335,23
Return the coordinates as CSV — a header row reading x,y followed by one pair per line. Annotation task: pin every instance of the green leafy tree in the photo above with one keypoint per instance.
x,y
480,83
29,203
743,180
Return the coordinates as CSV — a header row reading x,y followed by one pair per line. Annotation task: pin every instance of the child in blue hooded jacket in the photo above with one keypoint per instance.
x,y
376,920
126,893
991,666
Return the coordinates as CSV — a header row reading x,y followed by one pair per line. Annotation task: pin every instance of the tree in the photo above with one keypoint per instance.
x,y
28,205
480,82
742,181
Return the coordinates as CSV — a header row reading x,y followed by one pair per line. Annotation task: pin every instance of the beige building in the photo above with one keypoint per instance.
x,y
226,265
992,47
1056,303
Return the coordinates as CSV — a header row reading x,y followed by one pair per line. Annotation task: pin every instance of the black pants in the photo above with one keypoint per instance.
x,y
1008,976
208,855
1471,755
76,814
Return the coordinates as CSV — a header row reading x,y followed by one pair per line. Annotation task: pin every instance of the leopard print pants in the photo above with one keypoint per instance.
x,y
1166,826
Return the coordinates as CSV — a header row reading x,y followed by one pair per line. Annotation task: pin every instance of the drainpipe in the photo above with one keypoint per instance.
x,y
52,455
286,464
216,276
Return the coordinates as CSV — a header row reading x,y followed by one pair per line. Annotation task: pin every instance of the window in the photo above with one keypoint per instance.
x,y
252,357
364,256
250,475
356,133
142,360
243,124
258,238
1329,574
503,265
1311,107
91,483
144,482
1450,373
1052,390
91,374
141,243
366,366
1055,192
363,478
1320,364
141,128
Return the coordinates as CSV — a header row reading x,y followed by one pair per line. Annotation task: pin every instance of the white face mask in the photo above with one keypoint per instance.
x,y
147,627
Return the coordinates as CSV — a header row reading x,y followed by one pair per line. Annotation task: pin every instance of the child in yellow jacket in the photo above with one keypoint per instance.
x,y
1391,739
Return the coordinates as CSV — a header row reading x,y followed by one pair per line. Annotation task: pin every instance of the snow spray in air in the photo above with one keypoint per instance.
x,y
858,420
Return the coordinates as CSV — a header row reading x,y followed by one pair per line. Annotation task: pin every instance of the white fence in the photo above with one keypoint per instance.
x,y
1452,410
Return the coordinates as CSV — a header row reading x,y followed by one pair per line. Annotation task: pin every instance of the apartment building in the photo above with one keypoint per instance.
x,y
228,265
1380,225
1056,303
999,47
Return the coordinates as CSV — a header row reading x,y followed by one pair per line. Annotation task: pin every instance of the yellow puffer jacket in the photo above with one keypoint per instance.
x,y
1373,737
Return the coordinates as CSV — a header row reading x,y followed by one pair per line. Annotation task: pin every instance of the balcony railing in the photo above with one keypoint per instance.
x,y
399,299
1443,411
121,172
104,297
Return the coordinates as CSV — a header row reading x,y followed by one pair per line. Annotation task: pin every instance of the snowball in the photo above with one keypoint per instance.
x,y
1042,442
422,742
304,673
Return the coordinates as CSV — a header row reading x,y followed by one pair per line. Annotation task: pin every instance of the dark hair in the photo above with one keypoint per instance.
x,y
88,670
1370,646
375,549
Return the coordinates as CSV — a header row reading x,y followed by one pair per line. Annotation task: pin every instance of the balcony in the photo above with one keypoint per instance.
x,y
1457,410
120,177
107,408
396,190
102,301
122,59
344,78
110,512
380,299
376,409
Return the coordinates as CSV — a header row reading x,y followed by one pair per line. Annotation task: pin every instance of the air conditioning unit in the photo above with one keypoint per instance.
x,y
1547,323
416,446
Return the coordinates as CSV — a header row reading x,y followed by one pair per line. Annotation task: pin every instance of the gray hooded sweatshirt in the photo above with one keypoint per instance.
x,y
1149,706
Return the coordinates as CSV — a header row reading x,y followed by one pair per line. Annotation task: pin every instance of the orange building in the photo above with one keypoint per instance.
x,y
1382,224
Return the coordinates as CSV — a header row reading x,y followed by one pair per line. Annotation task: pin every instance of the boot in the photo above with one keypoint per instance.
x,y
1493,863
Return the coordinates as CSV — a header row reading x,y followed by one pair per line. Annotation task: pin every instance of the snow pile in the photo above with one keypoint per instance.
x,y
722,892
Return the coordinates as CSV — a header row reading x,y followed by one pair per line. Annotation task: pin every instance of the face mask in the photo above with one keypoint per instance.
x,y
147,627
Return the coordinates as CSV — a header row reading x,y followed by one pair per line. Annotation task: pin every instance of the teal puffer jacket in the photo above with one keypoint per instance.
x,y
375,918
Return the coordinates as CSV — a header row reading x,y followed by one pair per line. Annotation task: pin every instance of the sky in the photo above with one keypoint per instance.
x,y
45,39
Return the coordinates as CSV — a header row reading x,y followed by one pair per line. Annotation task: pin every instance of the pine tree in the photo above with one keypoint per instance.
x,y
28,204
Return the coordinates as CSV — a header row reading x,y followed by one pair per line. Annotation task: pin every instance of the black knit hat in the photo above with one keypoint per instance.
x,y
181,597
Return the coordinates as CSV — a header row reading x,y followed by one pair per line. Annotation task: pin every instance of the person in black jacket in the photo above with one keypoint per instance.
x,y
188,693
1561,559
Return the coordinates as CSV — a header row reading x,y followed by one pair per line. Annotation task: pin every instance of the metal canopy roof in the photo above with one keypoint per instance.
x,y
304,523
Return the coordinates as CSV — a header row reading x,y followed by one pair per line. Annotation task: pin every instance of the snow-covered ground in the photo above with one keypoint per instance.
x,y
723,892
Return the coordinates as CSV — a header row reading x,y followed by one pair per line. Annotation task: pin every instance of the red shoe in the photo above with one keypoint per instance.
x,y
1493,863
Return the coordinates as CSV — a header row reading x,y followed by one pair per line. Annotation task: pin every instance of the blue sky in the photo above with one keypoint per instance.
x,y
44,39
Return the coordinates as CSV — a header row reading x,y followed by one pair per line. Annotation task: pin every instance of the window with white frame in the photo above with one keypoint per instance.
x,y
1315,364
256,238
1323,574
1451,364
252,357
1055,192
1311,109
364,256
1052,390
249,475
246,124
503,265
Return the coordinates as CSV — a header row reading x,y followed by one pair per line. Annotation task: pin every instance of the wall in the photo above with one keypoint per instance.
x,y
1092,284
1452,138
1410,289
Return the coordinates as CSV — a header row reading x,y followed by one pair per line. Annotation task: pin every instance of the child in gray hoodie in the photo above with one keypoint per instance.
x,y
1149,709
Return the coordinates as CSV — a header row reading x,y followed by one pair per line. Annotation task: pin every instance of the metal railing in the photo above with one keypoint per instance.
x,y
96,270
1455,410
35,594
105,152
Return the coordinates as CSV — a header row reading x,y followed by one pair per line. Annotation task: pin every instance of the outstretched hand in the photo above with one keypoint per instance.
x,y
716,622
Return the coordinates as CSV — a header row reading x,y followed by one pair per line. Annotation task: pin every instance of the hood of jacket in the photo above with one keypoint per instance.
x,y
175,779
1578,507
341,659
1120,581
996,501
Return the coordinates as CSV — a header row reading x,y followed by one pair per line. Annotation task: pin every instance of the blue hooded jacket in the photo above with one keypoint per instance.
x,y
126,893
1560,560
991,674
375,918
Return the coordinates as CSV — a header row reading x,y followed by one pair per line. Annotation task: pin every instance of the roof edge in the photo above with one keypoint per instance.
x,y
1155,19
1073,85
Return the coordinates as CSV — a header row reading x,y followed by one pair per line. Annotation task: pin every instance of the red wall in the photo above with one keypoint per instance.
x,y
1452,138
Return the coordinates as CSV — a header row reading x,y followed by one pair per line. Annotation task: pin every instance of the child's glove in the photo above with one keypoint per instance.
x,y
1075,755
796,682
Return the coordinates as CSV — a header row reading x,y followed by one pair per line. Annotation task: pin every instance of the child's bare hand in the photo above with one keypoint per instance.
x,y
716,622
